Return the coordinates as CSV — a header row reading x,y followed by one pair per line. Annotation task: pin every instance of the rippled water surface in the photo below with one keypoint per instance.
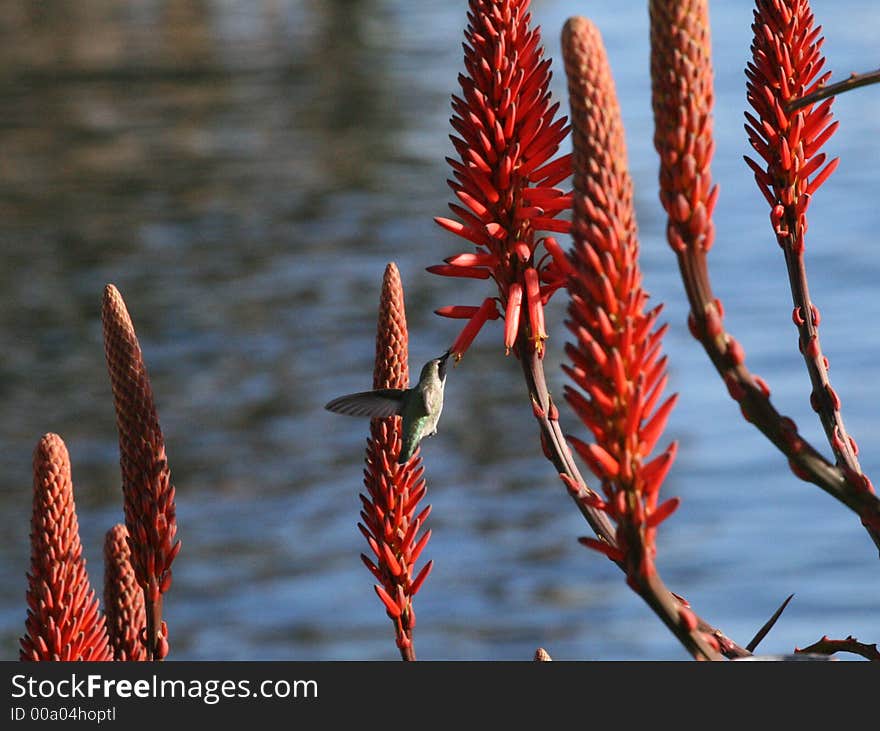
x,y
243,171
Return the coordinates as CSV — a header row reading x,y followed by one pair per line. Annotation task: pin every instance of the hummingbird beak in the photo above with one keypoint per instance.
x,y
442,363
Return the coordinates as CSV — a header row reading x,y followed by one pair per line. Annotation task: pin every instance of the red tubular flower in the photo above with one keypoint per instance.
x,y
150,513
536,309
787,64
504,176
63,619
511,316
476,316
616,364
391,516
123,599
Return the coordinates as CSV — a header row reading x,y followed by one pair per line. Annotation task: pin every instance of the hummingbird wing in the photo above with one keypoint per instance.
x,y
378,403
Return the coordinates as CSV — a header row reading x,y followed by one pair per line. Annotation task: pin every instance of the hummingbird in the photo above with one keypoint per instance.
x,y
419,406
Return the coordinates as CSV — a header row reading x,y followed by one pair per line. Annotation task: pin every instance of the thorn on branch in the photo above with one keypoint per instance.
x,y
768,625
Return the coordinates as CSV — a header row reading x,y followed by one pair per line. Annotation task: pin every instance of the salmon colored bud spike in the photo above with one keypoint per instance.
x,y
617,367
391,511
150,512
63,621
681,74
123,599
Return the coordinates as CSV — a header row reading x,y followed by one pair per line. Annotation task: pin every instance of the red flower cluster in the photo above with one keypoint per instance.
x,y
63,619
786,64
504,176
616,363
682,97
123,599
391,517
150,512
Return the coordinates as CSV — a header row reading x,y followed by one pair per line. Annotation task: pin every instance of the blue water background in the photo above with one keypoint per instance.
x,y
243,171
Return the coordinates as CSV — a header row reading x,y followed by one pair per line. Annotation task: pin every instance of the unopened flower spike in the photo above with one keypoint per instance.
x,y
392,519
64,622
150,508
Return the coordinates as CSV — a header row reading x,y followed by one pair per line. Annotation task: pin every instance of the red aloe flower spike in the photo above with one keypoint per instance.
x,y
786,64
607,307
682,98
63,619
504,175
150,512
392,518
123,599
